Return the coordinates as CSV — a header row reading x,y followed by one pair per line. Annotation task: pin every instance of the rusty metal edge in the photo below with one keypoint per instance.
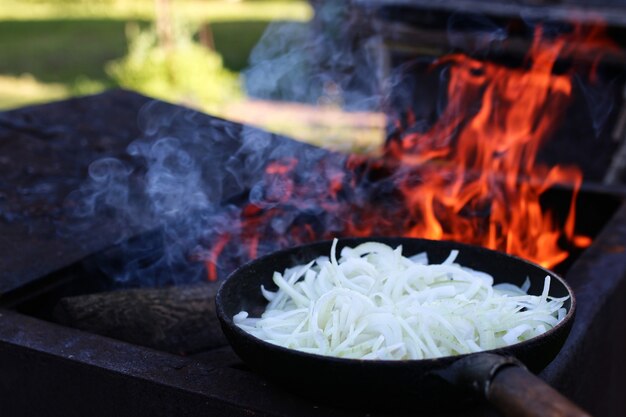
x,y
598,279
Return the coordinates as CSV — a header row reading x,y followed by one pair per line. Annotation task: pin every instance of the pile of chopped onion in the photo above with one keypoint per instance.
x,y
374,303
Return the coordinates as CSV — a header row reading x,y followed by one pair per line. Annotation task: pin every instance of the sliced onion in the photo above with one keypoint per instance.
x,y
374,303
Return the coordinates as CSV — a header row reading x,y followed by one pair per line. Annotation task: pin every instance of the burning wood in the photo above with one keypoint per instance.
x,y
473,176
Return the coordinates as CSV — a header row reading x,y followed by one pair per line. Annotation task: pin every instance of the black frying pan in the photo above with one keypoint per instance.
x,y
500,375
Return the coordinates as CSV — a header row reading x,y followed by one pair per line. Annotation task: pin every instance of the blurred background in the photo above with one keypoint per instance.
x,y
197,53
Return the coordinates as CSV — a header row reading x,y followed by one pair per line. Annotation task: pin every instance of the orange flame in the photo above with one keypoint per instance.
x,y
472,177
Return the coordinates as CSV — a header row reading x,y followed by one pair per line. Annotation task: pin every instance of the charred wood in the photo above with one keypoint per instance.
x,y
176,319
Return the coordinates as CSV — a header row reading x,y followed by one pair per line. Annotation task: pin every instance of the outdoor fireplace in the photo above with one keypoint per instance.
x,y
47,366
86,263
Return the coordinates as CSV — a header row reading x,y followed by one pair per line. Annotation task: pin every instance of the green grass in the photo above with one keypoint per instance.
x,y
235,40
199,10
66,46
24,90
60,51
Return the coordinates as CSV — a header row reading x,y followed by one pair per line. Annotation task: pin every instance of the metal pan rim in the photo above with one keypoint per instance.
x,y
226,320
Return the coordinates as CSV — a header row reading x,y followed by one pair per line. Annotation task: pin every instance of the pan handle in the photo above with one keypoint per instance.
x,y
516,392
512,389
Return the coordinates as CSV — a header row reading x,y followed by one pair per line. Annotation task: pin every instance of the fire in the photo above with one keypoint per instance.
x,y
472,177
483,186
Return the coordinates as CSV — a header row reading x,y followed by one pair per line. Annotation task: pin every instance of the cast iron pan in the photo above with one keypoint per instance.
x,y
502,376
